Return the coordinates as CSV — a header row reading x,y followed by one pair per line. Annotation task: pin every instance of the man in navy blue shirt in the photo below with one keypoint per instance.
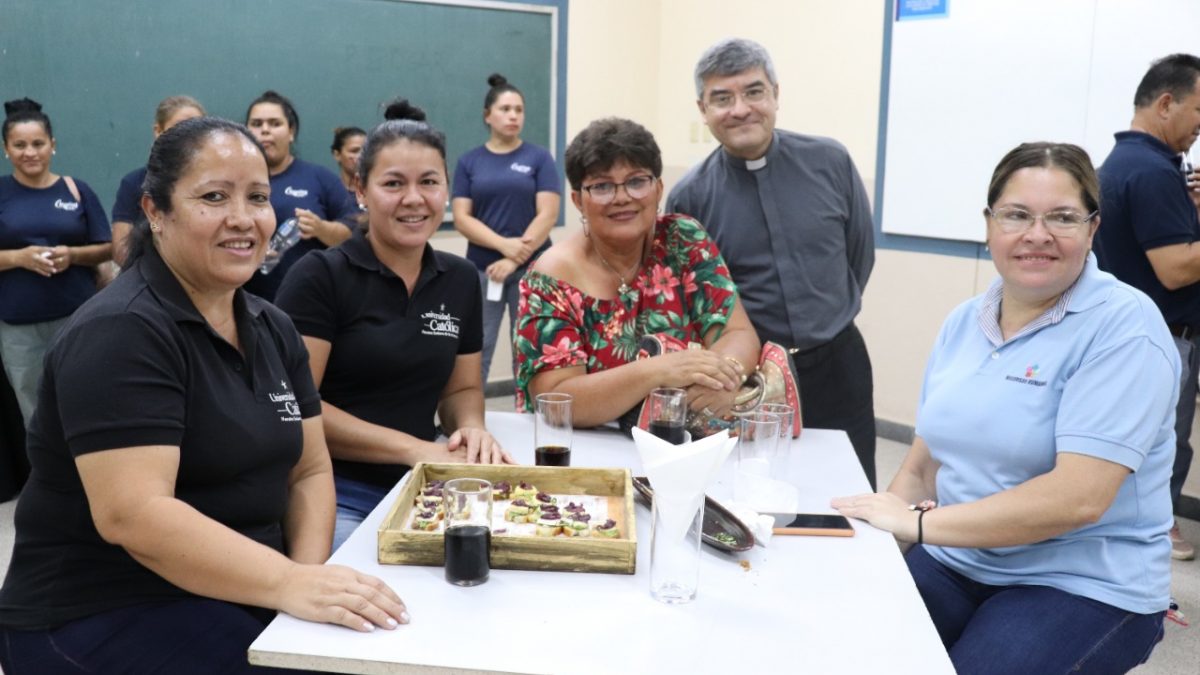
x,y
1150,232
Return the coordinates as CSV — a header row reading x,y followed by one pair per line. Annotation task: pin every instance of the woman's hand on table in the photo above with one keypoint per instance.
x,y
698,367
884,510
478,446
340,595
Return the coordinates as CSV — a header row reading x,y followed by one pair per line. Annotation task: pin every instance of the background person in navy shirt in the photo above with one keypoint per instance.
x,y
1151,234
506,199
127,207
393,327
53,232
180,477
346,148
309,192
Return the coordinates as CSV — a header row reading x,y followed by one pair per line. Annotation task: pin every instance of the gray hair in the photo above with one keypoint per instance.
x,y
730,57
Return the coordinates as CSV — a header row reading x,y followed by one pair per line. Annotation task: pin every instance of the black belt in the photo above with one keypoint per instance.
x,y
1182,331
810,355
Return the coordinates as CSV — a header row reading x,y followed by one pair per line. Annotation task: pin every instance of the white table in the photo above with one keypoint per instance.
x,y
807,604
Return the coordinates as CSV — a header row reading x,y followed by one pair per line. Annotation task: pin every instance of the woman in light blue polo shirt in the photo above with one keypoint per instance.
x,y
1045,433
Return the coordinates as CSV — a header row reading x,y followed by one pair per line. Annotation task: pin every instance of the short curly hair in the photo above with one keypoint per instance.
x,y
608,141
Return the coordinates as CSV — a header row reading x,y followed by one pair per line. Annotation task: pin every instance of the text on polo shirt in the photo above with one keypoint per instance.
x,y
439,323
290,412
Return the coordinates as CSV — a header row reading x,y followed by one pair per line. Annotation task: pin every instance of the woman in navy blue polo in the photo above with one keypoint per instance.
x,y
346,148
393,326
181,489
506,199
299,189
53,232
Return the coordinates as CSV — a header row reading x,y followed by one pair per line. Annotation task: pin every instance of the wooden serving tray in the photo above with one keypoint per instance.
x,y
401,545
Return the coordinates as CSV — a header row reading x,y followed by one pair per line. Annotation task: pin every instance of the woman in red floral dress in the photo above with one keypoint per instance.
x,y
629,273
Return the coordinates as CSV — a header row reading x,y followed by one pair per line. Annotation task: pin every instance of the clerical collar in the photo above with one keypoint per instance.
x,y
756,164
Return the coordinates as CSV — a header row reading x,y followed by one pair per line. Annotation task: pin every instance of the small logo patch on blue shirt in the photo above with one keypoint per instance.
x,y
1031,372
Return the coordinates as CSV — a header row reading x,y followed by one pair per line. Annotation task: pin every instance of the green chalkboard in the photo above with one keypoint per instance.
x,y
100,67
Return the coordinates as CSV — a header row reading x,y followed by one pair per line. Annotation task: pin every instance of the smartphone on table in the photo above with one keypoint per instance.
x,y
812,524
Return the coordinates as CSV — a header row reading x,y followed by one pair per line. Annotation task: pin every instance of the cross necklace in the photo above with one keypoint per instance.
x,y
624,287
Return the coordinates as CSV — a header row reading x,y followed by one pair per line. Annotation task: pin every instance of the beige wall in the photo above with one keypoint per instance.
x,y
634,58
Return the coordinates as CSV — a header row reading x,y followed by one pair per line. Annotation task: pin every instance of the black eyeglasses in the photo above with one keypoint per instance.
x,y
636,187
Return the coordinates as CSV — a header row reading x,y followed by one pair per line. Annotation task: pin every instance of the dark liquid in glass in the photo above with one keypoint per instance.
x,y
467,554
669,432
552,455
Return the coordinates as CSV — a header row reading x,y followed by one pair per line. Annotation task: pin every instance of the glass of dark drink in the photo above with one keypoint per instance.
x,y
468,537
553,425
668,410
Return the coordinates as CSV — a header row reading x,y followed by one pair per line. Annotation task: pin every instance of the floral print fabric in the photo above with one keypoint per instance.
x,y
683,290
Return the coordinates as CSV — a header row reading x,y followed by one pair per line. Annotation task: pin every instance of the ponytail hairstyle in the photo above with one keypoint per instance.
x,y
402,121
499,85
21,110
1070,158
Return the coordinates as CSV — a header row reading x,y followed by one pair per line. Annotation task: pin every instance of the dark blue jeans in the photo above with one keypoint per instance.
x,y
493,315
1029,629
182,636
355,501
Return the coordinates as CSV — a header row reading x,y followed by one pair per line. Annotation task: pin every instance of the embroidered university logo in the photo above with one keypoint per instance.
x,y
290,412
66,206
440,323
295,192
521,168
1031,373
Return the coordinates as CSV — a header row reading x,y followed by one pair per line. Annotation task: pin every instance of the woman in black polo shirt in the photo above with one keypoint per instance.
x,y
180,477
393,327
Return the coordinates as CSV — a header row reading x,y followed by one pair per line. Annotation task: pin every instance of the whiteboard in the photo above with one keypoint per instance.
x,y
965,89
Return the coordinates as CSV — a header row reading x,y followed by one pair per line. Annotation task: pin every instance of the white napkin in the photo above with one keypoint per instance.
x,y
761,526
679,475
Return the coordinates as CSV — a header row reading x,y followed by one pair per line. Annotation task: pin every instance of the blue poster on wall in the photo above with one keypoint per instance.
x,y
921,9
